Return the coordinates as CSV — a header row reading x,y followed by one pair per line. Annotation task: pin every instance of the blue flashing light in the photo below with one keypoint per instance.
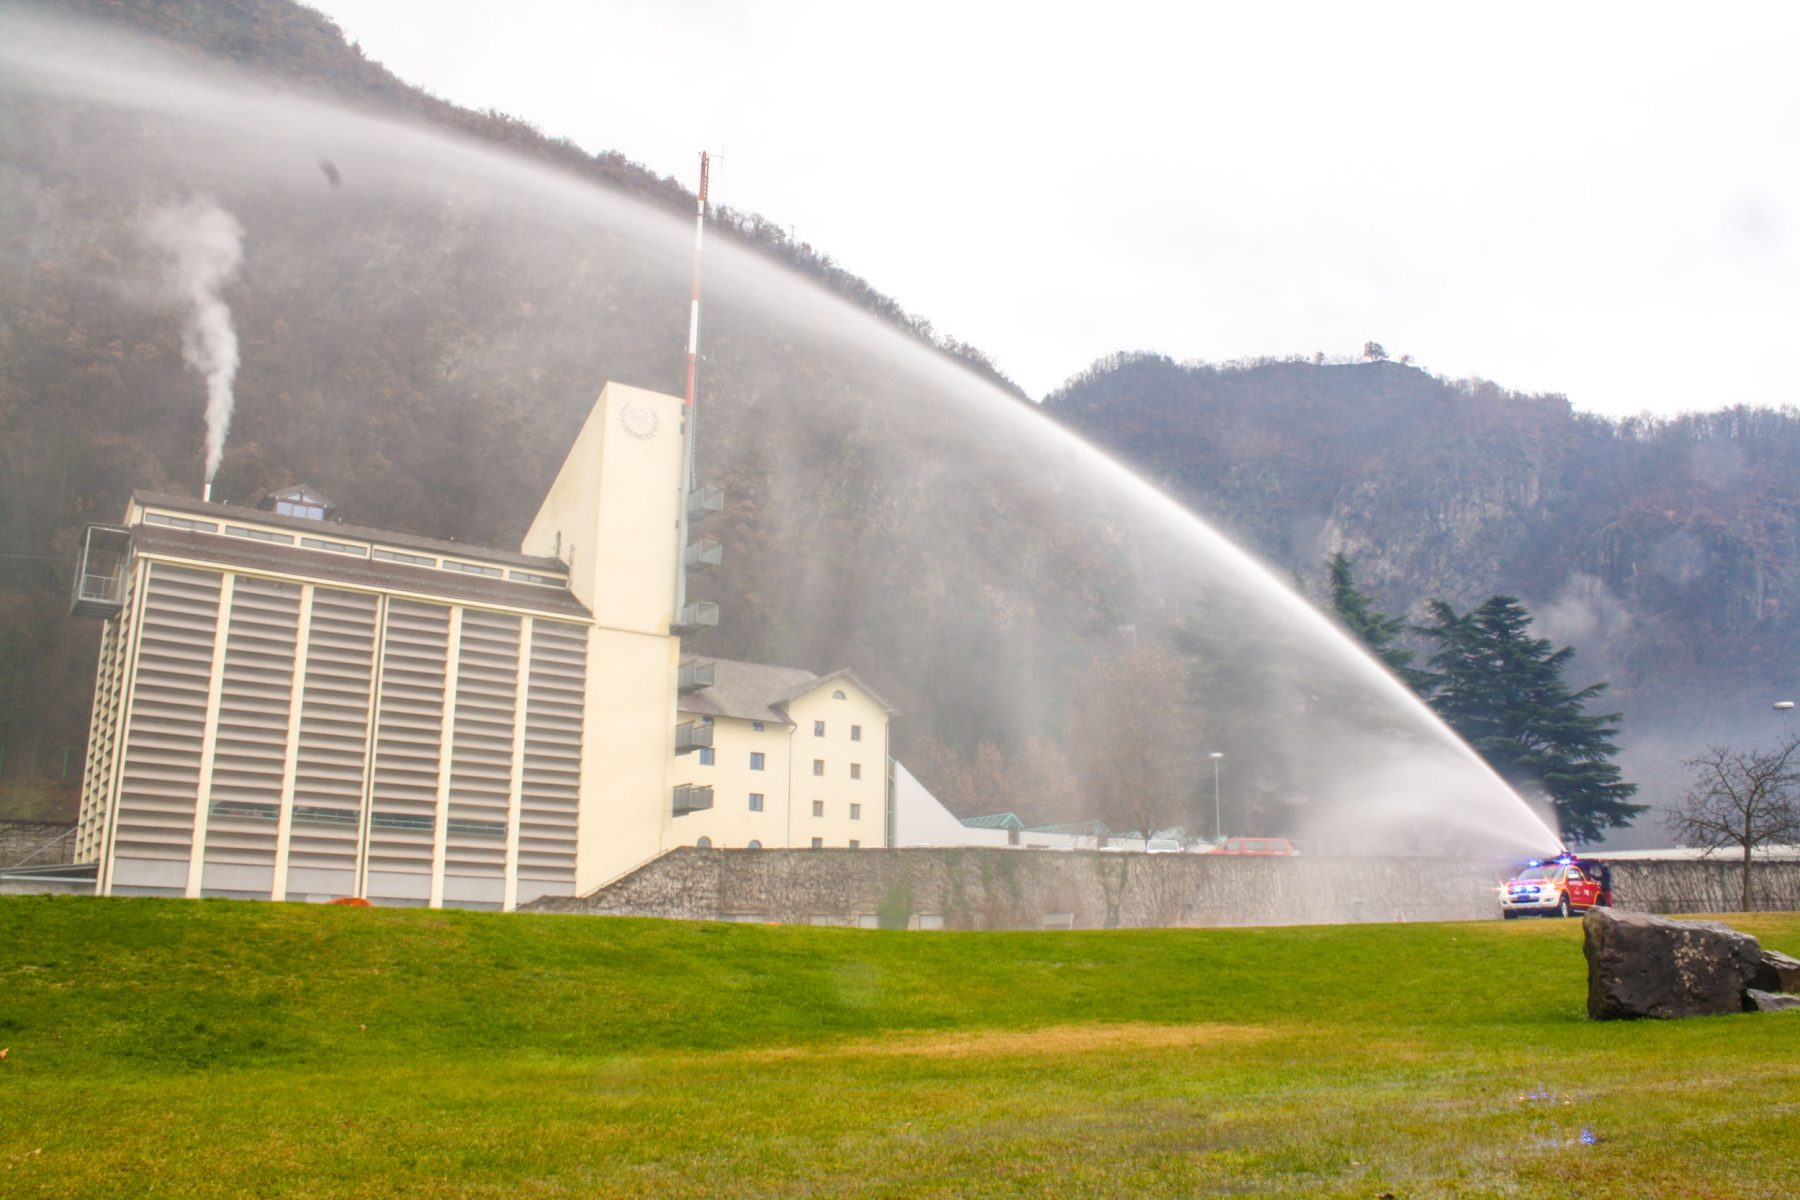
x,y
1534,862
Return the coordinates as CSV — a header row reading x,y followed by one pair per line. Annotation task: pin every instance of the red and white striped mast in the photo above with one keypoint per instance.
x,y
687,401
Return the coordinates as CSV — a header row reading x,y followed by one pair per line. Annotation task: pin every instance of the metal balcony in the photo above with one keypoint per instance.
x,y
702,556
702,614
692,799
100,572
702,502
693,735
696,674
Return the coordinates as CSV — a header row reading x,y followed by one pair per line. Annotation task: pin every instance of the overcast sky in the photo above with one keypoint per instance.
x,y
1599,200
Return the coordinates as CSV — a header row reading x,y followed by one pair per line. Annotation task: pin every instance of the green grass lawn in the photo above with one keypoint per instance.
x,y
169,1048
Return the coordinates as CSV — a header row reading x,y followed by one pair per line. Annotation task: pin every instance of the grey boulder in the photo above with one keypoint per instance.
x,y
1645,966
1777,973
1756,1000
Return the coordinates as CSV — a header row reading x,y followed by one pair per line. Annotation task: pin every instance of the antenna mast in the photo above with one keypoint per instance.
x,y
694,305
687,401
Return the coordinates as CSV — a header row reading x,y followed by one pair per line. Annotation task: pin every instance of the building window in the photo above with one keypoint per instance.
x,y
704,843
818,766
471,568
856,812
334,547
818,808
180,523
818,729
838,695
818,843
299,508
855,844
417,560
856,733
756,801
856,770
261,535
756,760
706,756
756,727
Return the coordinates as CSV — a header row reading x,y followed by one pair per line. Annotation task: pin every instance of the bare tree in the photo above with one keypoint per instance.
x,y
1130,730
1740,799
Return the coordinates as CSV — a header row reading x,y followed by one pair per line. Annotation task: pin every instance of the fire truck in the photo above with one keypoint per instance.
x,y
1557,887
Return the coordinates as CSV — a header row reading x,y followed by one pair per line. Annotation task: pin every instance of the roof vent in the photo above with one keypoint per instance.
x,y
302,500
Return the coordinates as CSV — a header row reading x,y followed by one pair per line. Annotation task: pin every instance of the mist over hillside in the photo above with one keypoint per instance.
x,y
1666,550
422,326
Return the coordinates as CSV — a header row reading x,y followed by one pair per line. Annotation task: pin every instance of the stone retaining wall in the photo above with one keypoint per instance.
x,y
1705,885
978,888
37,841
1033,889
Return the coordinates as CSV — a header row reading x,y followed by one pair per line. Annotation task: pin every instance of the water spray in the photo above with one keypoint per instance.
x,y
687,400
204,244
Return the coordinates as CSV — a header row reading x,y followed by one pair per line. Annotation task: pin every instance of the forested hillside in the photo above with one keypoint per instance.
x,y
1666,550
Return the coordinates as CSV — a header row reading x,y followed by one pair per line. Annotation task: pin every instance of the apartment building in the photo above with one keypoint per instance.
x,y
787,758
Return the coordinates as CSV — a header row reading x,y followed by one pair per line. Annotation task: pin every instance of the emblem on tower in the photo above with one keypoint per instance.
x,y
639,420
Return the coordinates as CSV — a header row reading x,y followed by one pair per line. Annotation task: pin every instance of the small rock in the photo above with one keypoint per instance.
x,y
1777,973
1645,966
1756,1000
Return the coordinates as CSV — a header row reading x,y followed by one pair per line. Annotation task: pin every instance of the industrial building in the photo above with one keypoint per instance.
x,y
291,707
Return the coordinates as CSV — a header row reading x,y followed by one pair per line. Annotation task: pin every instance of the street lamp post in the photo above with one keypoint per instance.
x,y
1218,826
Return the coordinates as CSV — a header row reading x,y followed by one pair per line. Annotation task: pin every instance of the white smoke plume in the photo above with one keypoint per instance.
x,y
204,244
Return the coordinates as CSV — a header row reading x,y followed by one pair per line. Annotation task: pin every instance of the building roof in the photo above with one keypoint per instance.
x,y
1075,828
748,691
339,568
393,537
995,821
818,681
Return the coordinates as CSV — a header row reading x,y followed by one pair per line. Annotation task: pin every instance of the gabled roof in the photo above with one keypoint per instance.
x,y
748,691
995,821
821,680
757,692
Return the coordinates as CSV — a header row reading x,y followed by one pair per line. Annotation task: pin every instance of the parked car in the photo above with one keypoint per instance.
x,y
1256,845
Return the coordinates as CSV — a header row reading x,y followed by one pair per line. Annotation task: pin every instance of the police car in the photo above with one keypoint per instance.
x,y
1560,886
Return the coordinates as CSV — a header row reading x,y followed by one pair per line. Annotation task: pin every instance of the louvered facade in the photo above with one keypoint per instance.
x,y
289,739
288,707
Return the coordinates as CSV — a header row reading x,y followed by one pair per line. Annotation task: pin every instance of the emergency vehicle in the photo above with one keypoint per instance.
x,y
1560,886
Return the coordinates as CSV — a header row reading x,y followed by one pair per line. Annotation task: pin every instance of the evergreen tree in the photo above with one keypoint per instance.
x,y
1503,691
1376,630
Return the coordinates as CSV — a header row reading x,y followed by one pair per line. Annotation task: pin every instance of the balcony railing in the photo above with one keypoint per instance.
x,y
693,735
702,502
100,572
702,614
692,799
696,675
702,556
